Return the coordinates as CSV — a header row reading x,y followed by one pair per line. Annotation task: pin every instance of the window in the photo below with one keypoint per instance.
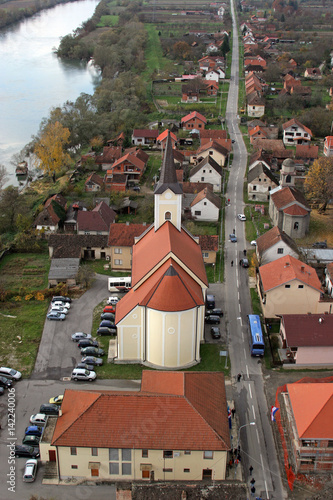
x,y
118,262
202,179
210,171
287,286
296,225
87,232
300,286
114,468
205,255
211,152
265,180
259,179
73,450
74,467
167,470
113,454
167,216
187,452
94,452
144,454
167,454
208,454
254,188
126,455
187,470
280,250
197,212
117,250
288,179
204,171
205,203
199,125
126,469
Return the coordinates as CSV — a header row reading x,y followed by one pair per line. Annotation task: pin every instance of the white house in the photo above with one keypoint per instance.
x,y
260,182
275,244
208,170
212,75
206,206
296,133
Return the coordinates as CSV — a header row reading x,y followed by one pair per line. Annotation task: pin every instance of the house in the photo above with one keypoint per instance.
x,y
289,286
96,221
212,88
290,82
163,432
63,271
216,151
109,156
117,141
255,104
160,321
93,184
213,76
208,170
195,187
274,150
209,245
328,145
70,223
307,339
124,172
78,246
307,411
144,137
329,279
193,120
295,133
274,244
260,182
120,243
206,206
306,152
257,133
190,94
53,214
258,156
313,74
289,210
211,135
162,139
255,61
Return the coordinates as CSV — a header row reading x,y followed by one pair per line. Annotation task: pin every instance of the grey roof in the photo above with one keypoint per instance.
x,y
323,255
168,176
206,161
259,169
62,269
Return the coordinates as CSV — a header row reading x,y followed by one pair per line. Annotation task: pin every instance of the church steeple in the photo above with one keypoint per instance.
x,y
168,191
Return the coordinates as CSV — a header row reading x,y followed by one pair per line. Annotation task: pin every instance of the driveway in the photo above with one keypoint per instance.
x,y
57,354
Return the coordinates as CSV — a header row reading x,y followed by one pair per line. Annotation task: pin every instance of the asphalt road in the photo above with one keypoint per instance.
x,y
254,436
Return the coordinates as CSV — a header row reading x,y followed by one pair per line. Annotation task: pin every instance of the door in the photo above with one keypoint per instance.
x,y
94,473
207,474
52,456
145,474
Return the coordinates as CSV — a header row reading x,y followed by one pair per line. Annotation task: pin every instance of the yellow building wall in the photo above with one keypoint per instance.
x,y
168,202
125,256
218,157
195,462
211,258
129,336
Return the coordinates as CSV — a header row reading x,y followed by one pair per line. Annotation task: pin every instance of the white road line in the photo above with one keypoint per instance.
x,y
266,490
238,296
250,391
237,283
242,335
247,371
244,352
254,415
262,464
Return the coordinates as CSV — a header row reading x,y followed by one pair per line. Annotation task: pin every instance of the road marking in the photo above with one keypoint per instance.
x,y
267,495
250,391
244,351
238,296
242,335
237,283
254,415
247,371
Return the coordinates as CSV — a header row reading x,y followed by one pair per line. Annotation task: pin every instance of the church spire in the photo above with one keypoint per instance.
x,y
168,177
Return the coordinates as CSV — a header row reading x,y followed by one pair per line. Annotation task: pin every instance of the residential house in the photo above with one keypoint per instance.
x,y
273,245
138,152
195,187
214,150
273,149
262,132
190,94
255,61
307,339
329,279
160,321
117,141
289,286
208,170
211,135
78,246
120,243
328,145
109,156
306,152
307,410
260,156
53,214
144,137
206,206
209,245
313,74
260,182
289,210
126,171
295,133
207,63
162,139
212,76
164,432
290,82
193,120
70,223
255,104
93,184
96,221
212,88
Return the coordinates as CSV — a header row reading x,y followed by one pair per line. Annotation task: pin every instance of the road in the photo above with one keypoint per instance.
x,y
254,435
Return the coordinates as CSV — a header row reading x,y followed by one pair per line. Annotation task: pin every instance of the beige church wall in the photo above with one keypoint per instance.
x,y
129,336
168,202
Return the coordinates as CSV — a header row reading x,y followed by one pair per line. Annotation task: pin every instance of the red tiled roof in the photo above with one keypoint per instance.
x,y
96,179
195,187
296,210
308,330
99,219
213,145
110,154
195,419
312,406
294,121
209,195
271,237
192,115
146,133
213,134
287,196
134,160
123,235
306,151
209,242
164,135
287,269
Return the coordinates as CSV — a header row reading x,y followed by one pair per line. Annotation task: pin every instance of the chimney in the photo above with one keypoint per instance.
x,y
302,269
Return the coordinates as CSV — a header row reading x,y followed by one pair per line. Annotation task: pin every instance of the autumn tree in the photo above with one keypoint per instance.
x,y
3,176
49,149
319,182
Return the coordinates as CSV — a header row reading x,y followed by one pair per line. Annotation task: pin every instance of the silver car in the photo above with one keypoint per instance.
x,y
30,470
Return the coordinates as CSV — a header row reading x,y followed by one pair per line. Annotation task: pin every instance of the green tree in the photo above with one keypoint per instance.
x,y
49,149
85,275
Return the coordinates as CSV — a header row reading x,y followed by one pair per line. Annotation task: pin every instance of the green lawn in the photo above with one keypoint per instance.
x,y
153,53
110,20
22,273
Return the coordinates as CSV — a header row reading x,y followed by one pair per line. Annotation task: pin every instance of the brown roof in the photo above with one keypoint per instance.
x,y
273,236
294,121
99,219
138,152
306,151
287,196
47,217
147,133
308,330
192,417
123,235
208,195
276,146
195,187
70,245
58,198
95,179
134,160
213,134
213,145
209,242
110,154
194,114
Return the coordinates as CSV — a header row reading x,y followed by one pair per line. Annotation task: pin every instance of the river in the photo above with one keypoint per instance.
x,y
33,79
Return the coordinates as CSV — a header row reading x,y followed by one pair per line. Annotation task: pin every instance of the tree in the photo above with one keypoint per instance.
x,y
3,176
11,204
49,149
319,182
85,275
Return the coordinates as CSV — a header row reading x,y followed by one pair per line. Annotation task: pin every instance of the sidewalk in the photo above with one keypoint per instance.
x,y
235,472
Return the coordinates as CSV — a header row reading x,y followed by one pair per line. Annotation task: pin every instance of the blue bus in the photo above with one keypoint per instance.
x,y
257,344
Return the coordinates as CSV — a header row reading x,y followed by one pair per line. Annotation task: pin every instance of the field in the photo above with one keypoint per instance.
x,y
21,272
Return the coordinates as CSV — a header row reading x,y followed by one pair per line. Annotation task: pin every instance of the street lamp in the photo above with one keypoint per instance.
x,y
241,427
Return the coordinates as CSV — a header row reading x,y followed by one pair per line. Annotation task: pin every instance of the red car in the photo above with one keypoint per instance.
x,y
109,309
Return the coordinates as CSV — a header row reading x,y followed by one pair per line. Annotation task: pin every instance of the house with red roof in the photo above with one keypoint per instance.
x,y
260,182
306,152
52,215
174,429
313,74
206,206
193,120
215,150
307,340
208,171
124,172
274,244
307,410
328,145
294,132
144,137
110,155
120,243
160,321
162,139
96,221
210,246
94,183
289,286
210,135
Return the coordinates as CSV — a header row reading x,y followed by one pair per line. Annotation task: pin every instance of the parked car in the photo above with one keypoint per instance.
x,y
254,243
136,188
79,336
57,400
81,374
241,217
58,303
107,323
216,312
33,430
210,301
56,316
92,351
61,298
212,320
87,343
109,316
31,441
233,238
10,373
23,450
38,419
113,300
30,470
62,310
106,330
215,332
92,360
109,309
320,244
49,409
244,262
85,366
2,391
5,382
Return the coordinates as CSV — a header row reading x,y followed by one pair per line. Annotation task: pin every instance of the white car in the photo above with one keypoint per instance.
x,y
58,303
113,300
10,373
80,336
62,310
38,419
30,470
82,374
254,243
241,217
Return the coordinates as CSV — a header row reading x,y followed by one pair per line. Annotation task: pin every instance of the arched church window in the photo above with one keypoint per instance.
x,y
288,179
167,215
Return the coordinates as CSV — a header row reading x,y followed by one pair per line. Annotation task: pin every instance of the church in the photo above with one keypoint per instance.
x,y
160,321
